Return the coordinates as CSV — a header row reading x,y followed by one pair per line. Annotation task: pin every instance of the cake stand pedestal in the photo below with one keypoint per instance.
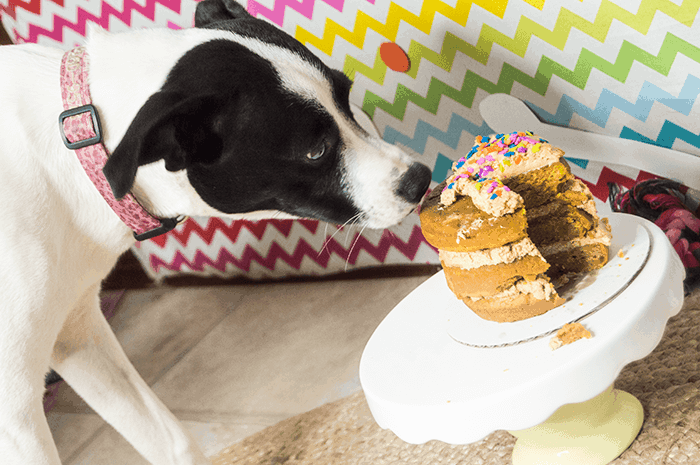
x,y
423,384
587,433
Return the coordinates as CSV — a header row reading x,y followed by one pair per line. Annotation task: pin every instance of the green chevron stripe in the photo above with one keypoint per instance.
x,y
464,96
527,28
376,73
450,46
587,61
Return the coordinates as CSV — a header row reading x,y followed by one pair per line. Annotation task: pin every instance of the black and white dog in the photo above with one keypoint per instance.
x,y
234,118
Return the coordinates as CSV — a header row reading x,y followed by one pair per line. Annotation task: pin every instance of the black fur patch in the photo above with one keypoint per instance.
x,y
224,116
240,22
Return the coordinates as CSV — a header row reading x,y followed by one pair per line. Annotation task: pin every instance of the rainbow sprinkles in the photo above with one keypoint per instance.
x,y
491,161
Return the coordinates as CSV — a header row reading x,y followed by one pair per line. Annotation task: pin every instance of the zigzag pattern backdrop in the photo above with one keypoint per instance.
x,y
626,68
292,246
64,23
487,70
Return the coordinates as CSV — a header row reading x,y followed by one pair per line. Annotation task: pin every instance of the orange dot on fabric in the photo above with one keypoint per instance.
x,y
394,57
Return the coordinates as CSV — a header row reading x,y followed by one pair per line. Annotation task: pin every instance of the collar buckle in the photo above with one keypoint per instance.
x,y
97,127
166,225
90,149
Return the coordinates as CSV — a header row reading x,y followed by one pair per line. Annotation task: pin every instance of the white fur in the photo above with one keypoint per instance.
x,y
372,166
59,238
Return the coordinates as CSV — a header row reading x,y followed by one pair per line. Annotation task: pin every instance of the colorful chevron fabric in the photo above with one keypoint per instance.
x,y
278,248
628,69
63,23
625,68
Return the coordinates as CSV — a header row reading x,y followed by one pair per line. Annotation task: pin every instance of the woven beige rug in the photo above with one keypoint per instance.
x,y
667,383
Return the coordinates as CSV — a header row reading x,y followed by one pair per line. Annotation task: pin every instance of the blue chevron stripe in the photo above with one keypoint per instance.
x,y
667,136
608,100
451,137
442,166
578,161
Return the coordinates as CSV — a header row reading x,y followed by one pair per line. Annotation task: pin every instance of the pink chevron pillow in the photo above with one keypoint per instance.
x,y
215,246
62,23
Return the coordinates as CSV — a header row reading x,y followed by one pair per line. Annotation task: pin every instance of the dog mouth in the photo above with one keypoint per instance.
x,y
383,206
379,216
376,220
386,215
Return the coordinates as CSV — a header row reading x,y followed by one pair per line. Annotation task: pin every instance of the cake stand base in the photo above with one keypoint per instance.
x,y
593,432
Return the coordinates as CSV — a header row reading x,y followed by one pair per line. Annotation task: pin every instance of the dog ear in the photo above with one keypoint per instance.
x,y
168,126
214,11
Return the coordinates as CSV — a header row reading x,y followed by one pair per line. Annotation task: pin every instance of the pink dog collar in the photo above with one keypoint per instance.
x,y
81,131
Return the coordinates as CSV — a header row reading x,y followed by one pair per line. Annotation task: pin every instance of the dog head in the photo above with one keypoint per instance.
x,y
260,123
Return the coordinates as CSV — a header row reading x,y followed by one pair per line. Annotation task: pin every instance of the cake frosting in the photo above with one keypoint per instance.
x,y
496,256
509,220
481,172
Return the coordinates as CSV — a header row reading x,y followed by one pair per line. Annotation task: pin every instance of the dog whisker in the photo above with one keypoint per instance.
x,y
328,239
338,229
357,238
325,241
351,222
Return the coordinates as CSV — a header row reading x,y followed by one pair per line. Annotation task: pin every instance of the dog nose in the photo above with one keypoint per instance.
x,y
414,182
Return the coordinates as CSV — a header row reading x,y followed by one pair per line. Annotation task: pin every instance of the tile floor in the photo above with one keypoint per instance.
x,y
231,360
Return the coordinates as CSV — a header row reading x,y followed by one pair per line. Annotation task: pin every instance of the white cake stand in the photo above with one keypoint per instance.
x,y
423,384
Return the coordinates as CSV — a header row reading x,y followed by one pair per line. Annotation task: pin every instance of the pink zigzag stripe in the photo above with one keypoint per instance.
x,y
305,8
303,249
103,20
214,225
276,15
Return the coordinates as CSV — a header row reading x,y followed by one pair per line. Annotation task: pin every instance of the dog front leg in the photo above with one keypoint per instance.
x,y
25,437
89,358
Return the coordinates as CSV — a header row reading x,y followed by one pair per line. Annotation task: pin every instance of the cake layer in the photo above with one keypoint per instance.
x,y
601,235
574,193
540,185
508,309
540,287
565,223
461,227
581,259
490,280
580,255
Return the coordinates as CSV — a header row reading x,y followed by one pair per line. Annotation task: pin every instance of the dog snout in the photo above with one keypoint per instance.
x,y
414,183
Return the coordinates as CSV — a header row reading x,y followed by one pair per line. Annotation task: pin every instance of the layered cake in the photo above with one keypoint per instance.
x,y
510,223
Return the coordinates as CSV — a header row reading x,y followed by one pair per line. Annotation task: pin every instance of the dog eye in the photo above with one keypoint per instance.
x,y
317,153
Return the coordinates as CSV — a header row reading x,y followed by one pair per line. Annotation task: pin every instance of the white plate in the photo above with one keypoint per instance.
x,y
629,251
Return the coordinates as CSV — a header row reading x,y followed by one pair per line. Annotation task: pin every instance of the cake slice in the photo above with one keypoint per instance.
x,y
509,219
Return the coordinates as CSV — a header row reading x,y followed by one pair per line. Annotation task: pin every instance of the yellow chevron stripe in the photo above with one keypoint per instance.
x,y
558,37
396,14
539,4
527,29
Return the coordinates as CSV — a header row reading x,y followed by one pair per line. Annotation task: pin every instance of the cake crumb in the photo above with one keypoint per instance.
x,y
569,333
555,343
620,254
